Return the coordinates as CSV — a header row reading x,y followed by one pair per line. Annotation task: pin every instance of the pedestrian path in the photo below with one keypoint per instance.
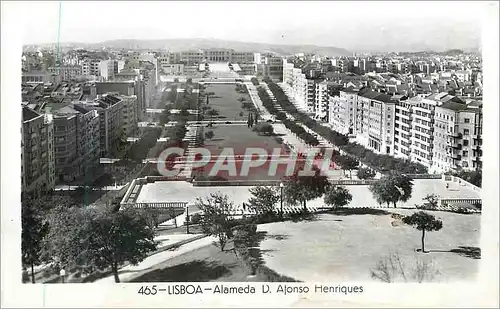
x,y
128,272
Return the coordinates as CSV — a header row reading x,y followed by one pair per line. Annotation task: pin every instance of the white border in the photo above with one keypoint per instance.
x,y
14,294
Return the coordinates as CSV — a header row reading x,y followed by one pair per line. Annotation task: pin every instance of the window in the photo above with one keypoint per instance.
x,y
466,120
466,142
466,131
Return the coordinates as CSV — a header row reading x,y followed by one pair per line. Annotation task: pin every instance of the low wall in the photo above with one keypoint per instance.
x,y
461,182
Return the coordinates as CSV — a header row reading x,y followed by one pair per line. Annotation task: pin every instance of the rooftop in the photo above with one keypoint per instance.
x,y
454,106
29,114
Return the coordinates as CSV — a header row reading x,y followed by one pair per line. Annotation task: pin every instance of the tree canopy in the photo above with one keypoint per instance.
x,y
216,220
392,188
337,196
423,221
264,198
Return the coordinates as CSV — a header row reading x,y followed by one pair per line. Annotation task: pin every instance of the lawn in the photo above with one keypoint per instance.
x,y
225,101
240,138
177,99
205,264
344,247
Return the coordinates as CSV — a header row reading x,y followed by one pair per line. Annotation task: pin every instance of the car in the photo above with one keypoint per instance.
x,y
228,122
269,120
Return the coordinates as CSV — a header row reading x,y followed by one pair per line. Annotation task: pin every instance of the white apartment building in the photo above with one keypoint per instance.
x,y
107,69
375,116
90,67
342,111
463,75
402,128
422,131
321,100
458,144
302,89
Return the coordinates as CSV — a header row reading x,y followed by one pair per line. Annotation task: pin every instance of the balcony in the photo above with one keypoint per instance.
x,y
456,146
456,156
456,135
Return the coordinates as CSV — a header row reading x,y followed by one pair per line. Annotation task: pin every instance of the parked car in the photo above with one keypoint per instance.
x,y
228,122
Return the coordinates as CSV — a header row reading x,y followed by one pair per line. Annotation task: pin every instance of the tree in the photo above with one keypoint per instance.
x,y
366,173
264,198
216,220
423,221
300,189
119,237
101,239
347,163
431,202
34,229
209,134
264,129
212,113
337,196
392,188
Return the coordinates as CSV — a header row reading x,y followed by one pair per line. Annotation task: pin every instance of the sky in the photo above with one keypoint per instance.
x,y
356,26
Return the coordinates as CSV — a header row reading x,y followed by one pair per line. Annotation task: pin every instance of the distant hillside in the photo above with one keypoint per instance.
x,y
184,44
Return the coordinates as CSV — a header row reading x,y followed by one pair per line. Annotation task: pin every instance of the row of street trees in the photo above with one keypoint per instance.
x,y
296,129
381,162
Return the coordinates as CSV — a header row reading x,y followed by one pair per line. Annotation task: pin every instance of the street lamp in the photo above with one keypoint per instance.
x,y
62,273
281,199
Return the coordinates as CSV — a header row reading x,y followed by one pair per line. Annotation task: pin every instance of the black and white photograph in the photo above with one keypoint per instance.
x,y
369,158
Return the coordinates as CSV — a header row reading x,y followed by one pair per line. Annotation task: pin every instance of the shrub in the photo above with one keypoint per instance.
x,y
195,219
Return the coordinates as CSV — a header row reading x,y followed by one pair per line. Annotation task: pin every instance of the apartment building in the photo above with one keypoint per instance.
x,y
129,115
109,109
37,153
241,57
118,66
374,122
403,127
90,67
124,88
67,73
76,141
191,57
301,88
39,77
272,66
321,100
459,137
107,69
172,68
342,111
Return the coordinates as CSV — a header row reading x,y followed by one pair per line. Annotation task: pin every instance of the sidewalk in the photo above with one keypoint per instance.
x,y
127,273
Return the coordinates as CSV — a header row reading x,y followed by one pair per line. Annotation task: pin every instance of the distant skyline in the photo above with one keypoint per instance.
x,y
355,26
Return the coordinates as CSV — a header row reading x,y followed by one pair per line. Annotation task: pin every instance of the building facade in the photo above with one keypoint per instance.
x,y
37,153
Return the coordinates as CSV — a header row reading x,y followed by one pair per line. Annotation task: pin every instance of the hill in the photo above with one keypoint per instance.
x,y
186,44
